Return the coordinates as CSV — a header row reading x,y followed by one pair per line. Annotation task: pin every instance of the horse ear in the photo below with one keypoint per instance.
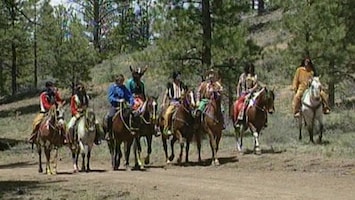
x,y
145,69
130,67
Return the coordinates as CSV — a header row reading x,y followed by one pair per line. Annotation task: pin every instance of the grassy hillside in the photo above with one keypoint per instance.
x,y
16,116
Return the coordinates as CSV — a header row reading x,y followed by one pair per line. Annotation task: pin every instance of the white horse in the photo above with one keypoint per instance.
x,y
86,132
312,110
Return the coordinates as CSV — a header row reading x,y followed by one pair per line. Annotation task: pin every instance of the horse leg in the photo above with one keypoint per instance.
x,y
54,161
310,131
213,146
321,133
118,155
47,152
39,151
82,152
127,148
137,153
300,127
74,160
187,149
172,142
237,133
165,146
218,139
257,149
112,149
198,143
181,142
149,149
88,155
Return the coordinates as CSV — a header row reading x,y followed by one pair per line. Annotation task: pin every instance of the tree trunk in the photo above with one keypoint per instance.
x,y
261,7
331,85
2,81
97,25
207,34
35,70
14,55
13,69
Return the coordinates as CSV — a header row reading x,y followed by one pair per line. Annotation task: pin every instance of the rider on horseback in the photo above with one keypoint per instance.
x,y
172,97
301,80
247,84
206,89
48,98
136,86
79,102
117,92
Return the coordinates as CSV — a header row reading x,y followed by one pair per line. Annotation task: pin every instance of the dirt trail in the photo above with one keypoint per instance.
x,y
243,178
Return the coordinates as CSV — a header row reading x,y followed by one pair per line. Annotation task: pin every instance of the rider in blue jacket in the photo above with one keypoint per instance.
x,y
117,92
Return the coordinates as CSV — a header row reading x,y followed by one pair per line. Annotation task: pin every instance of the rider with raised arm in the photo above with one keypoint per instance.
x,y
117,92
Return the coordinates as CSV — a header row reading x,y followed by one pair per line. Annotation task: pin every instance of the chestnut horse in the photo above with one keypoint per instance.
x,y
146,128
120,134
211,122
51,135
261,103
182,125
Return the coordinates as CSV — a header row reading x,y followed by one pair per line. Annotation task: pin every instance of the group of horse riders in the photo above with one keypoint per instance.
x,y
133,92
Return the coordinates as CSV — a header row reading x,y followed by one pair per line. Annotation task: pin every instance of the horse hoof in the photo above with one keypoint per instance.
x,y
179,161
40,170
115,168
171,158
257,151
146,161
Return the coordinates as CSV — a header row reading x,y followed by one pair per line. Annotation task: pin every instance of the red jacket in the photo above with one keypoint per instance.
x,y
45,102
75,104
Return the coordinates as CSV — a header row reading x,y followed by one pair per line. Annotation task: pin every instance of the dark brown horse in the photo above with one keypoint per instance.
x,y
182,128
212,123
120,134
146,126
255,118
51,135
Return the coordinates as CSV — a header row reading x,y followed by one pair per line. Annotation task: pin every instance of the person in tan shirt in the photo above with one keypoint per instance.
x,y
301,80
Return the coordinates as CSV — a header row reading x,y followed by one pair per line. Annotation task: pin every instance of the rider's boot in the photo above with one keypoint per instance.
x,y
33,134
32,137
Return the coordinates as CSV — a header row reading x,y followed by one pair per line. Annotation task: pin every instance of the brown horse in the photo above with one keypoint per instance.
x,y
255,118
182,125
120,134
212,123
146,128
51,135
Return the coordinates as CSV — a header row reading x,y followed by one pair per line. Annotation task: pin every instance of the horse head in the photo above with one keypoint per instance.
x,y
90,120
264,100
138,72
315,89
151,108
60,115
270,98
188,100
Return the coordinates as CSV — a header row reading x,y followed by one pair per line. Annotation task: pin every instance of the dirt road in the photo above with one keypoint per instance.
x,y
269,176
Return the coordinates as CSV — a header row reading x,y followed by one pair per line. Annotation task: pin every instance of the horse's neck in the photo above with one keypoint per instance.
x,y
260,100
